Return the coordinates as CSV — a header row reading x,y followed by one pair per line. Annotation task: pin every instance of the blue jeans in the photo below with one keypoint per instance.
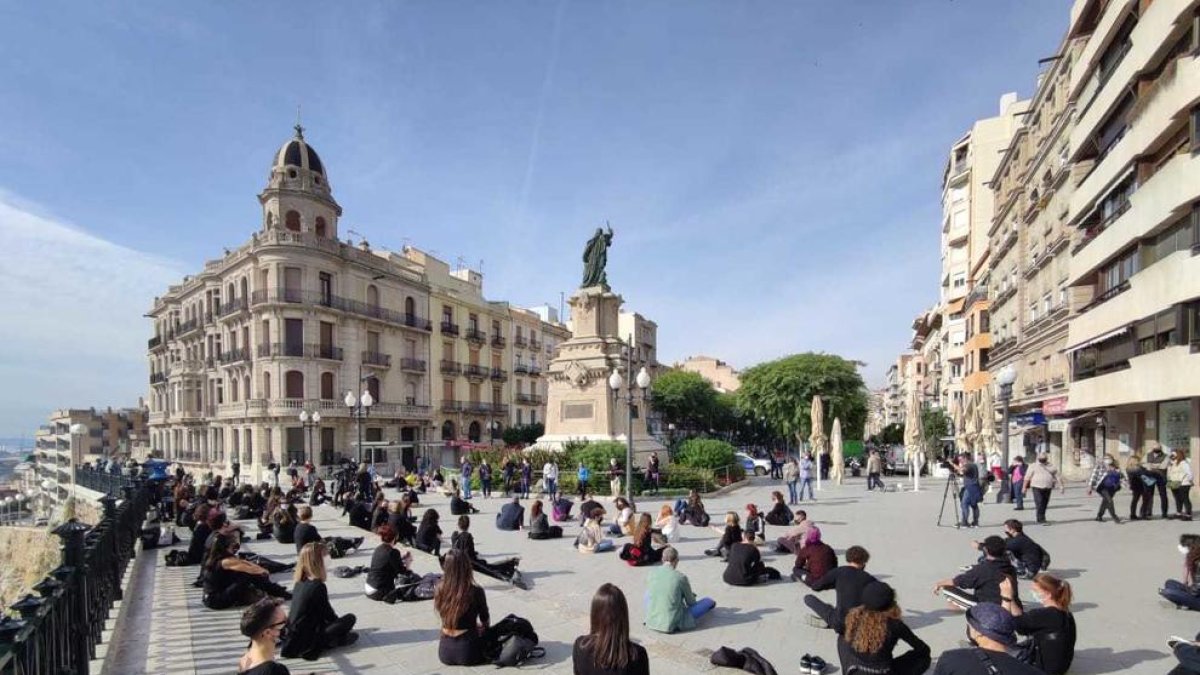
x,y
703,606
1181,595
466,487
551,487
971,496
605,545
524,488
792,492
1018,494
806,484
680,505
487,487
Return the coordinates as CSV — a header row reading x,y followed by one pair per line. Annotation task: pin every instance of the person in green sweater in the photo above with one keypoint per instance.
x,y
671,605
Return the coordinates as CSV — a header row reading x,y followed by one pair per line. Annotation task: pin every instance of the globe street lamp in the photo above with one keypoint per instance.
x,y
360,409
1005,379
615,383
309,421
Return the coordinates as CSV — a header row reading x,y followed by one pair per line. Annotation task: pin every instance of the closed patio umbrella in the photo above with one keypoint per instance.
x,y
817,436
836,454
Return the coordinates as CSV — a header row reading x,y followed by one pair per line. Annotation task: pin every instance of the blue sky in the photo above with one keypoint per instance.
x,y
771,169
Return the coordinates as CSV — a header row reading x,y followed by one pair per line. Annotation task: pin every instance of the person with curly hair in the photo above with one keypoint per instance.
x,y
873,629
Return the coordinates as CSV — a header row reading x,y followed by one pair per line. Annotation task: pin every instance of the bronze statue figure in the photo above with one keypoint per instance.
x,y
595,258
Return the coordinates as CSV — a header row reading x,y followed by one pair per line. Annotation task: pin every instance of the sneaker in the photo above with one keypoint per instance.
x,y
1172,642
1167,604
350,639
964,568
357,543
817,665
806,664
815,621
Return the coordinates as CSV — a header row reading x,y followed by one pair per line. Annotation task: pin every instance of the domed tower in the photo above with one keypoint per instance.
x,y
297,196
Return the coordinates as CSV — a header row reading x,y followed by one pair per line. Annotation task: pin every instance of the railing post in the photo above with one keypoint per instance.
x,y
77,631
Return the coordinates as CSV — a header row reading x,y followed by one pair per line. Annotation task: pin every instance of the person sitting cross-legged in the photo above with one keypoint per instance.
x,y
313,626
793,537
511,516
230,581
671,605
460,506
981,583
873,629
1185,593
640,551
814,560
744,565
387,566
848,582
539,524
592,539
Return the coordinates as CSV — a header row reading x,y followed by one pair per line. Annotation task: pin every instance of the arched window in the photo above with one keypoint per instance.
x,y
320,228
293,386
372,296
245,289
266,392
327,386
410,306
448,430
246,387
233,390
292,221
230,295
373,387
473,432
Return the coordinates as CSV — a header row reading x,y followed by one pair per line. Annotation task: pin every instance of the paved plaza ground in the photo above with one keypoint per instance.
x,y
1114,569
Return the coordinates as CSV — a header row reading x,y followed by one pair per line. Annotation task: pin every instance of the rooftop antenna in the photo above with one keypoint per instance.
x,y
460,262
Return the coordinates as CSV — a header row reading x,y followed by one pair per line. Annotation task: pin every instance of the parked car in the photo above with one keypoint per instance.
x,y
757,466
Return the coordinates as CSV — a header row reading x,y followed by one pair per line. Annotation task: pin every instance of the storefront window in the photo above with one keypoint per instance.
x,y
1175,425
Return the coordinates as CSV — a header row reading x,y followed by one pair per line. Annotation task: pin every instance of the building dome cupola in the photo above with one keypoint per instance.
x,y
298,196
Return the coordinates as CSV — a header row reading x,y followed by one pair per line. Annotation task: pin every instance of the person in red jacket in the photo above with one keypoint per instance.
x,y
814,559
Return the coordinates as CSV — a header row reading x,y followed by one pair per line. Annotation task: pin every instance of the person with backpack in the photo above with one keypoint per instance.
x,y
607,649
463,609
992,633
1105,481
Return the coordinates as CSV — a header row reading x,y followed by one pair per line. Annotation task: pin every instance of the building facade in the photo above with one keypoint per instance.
x,y
111,434
722,376
1136,210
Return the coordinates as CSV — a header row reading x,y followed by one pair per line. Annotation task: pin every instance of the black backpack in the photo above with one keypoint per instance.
x,y
514,642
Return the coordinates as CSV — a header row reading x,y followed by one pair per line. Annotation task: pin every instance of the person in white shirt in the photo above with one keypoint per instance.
x,y
550,479
666,528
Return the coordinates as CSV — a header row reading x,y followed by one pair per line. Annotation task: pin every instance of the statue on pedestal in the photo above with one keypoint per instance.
x,y
595,258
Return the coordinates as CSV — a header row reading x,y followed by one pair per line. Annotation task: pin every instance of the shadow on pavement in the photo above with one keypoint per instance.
x,y
917,620
1105,660
729,616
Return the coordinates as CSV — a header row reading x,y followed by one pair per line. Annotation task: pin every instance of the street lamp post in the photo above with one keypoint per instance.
x,y
77,432
1005,379
615,383
360,409
309,421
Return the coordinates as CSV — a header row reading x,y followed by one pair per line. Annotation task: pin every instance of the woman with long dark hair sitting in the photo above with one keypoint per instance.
x,y
401,521
429,535
463,610
539,524
872,631
1186,593
230,581
263,623
284,524
641,551
313,626
779,514
387,566
606,649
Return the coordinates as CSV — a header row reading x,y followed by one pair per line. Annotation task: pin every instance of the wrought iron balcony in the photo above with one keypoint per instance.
x,y
476,371
451,367
234,356
521,368
412,365
377,359
154,342
476,335
520,341
528,399
449,328
498,341
499,375
297,350
234,306
453,406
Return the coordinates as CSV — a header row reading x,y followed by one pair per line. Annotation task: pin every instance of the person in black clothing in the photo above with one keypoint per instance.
x,y
731,535
196,547
1027,556
305,531
606,649
745,566
379,514
463,610
313,626
640,550
429,535
848,582
1051,627
1188,655
504,570
387,565
539,524
318,494
511,516
586,508
981,583
360,513
263,623
230,581
991,630
779,514
873,629
460,506
401,521
284,524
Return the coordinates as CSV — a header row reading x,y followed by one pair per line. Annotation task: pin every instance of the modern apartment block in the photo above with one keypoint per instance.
x,y
967,210
926,341
1136,209
111,434
722,376
295,319
1030,249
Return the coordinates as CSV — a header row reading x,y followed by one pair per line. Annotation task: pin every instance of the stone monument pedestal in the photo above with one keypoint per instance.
x,y
579,404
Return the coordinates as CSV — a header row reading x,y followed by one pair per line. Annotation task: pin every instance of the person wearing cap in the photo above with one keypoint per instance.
x,y
873,630
982,582
991,632
263,622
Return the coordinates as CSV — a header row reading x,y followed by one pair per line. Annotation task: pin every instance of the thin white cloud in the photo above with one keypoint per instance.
x,y
72,302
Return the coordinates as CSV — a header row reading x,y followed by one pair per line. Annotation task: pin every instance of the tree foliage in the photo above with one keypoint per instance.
x,y
781,392
892,434
705,453
936,424
685,399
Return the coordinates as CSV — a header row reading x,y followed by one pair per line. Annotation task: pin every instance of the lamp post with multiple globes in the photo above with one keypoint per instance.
x,y
1004,379
616,383
309,421
360,409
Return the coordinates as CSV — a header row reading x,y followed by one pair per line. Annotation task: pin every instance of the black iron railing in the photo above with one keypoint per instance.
x,y
59,628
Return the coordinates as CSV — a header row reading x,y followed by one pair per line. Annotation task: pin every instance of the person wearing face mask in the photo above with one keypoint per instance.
x,y
1156,464
1042,478
1051,627
264,623
991,632
1105,481
1185,594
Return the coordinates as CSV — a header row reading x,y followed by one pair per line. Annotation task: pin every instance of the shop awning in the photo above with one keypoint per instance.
x,y
1090,413
1099,338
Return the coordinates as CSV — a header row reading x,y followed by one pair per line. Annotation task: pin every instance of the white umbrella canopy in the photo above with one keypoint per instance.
x,y
837,454
960,432
970,423
988,441
817,436
912,427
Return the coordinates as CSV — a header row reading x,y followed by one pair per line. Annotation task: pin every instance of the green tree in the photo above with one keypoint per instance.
x,y
531,432
705,453
781,392
512,435
936,424
684,399
892,434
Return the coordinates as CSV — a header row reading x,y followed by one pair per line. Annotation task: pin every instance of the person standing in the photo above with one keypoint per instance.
x,y
1179,480
550,479
1137,478
806,477
507,472
1105,481
972,492
653,472
1155,464
992,634
874,469
485,479
582,476
1041,478
1016,477
467,470
236,470
526,477
671,605
606,649
791,476
614,477
873,630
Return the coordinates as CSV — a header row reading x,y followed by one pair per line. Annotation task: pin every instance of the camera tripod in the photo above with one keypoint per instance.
x,y
953,487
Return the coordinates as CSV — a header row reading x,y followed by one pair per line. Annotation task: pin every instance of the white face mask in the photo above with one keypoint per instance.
x,y
1183,549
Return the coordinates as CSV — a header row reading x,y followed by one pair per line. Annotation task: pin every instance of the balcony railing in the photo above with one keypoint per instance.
x,y
449,328
521,368
535,344
1106,296
478,407
498,341
499,375
233,306
476,371
500,408
476,335
297,350
534,371
1003,295
156,378
234,356
520,341
154,342
412,365
528,399
320,299
451,367
453,406
377,359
